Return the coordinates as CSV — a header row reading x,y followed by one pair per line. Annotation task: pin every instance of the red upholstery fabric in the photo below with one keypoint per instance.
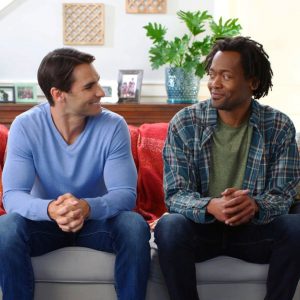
x,y
3,141
150,195
2,211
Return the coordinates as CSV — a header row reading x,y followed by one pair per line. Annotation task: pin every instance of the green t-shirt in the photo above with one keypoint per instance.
x,y
230,147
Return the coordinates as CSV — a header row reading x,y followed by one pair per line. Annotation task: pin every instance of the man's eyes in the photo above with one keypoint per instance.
x,y
225,76
211,75
88,87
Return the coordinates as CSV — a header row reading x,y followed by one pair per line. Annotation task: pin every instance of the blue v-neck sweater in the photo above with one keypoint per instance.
x,y
40,165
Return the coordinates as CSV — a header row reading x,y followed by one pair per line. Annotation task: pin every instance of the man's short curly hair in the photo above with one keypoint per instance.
x,y
254,59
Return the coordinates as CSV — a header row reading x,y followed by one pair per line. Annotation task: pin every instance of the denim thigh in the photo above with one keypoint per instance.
x,y
39,236
126,227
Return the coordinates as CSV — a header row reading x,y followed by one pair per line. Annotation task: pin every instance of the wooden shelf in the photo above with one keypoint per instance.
x,y
134,113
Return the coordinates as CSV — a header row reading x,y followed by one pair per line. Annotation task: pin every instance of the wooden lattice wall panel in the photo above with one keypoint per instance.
x,y
83,24
146,6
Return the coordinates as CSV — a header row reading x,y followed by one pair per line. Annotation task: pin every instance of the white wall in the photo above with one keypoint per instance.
x,y
31,28
275,24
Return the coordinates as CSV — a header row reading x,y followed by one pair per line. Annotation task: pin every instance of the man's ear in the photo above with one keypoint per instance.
x,y
254,83
57,95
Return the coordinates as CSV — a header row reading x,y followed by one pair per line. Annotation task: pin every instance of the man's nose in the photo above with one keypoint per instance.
x,y
216,81
100,91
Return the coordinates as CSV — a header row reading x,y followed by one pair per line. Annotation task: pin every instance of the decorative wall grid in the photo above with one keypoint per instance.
x,y
83,24
146,6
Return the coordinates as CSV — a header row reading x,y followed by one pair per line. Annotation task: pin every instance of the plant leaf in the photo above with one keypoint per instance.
x,y
228,29
158,55
200,70
188,51
195,21
155,32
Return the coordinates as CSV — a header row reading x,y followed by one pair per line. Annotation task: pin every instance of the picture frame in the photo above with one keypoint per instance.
x,y
130,85
7,94
26,92
110,88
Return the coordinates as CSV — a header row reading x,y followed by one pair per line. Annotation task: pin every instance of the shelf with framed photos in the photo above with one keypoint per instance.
x,y
134,113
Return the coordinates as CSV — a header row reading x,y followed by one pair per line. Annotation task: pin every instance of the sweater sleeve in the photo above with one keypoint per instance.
x,y
120,177
19,175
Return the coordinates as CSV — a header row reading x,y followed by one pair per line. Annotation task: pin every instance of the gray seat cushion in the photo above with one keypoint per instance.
x,y
74,264
79,264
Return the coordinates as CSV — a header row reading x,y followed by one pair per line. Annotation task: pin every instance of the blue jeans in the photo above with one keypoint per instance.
x,y
127,235
182,242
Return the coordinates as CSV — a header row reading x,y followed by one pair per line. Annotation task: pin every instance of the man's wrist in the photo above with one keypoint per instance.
x,y
49,211
86,208
209,206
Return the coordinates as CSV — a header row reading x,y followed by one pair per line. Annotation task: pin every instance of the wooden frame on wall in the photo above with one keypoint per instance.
x,y
83,23
146,6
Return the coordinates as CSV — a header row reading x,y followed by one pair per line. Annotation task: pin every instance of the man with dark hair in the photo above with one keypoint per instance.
x,y
69,179
231,167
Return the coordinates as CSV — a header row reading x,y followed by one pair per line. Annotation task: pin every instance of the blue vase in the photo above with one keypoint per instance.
x,y
181,86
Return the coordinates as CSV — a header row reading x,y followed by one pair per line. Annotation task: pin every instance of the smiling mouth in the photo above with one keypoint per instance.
x,y
95,103
216,96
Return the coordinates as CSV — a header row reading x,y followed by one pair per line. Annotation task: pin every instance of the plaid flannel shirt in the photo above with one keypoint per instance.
x,y
272,171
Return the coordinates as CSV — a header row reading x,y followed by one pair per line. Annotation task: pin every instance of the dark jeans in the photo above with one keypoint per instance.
x,y
182,242
126,234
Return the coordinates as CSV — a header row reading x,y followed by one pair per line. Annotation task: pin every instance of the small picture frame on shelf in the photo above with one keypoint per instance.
x,y
7,94
110,89
130,85
26,92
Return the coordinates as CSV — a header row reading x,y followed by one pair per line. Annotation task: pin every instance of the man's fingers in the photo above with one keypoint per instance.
x,y
70,226
235,206
235,201
243,217
228,191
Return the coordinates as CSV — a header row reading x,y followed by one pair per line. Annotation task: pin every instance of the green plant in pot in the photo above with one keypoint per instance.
x,y
185,56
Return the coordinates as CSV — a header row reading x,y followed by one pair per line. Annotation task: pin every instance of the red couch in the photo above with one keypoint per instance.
x,y
146,143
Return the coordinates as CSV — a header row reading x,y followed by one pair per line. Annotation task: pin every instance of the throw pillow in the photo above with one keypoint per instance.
x,y
150,195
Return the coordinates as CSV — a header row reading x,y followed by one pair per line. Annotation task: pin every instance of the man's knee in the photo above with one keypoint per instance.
x,y
133,226
12,227
10,223
289,227
172,228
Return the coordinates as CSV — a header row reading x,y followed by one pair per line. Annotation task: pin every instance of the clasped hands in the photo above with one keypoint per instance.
x,y
69,212
233,208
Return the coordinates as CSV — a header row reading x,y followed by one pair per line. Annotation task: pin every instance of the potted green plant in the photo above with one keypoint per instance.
x,y
185,56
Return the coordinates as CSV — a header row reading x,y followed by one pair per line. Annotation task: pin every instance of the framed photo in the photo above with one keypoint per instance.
x,y
26,92
130,85
7,94
110,89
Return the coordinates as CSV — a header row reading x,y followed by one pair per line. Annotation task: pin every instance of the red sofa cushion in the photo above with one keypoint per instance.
x,y
150,196
3,141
